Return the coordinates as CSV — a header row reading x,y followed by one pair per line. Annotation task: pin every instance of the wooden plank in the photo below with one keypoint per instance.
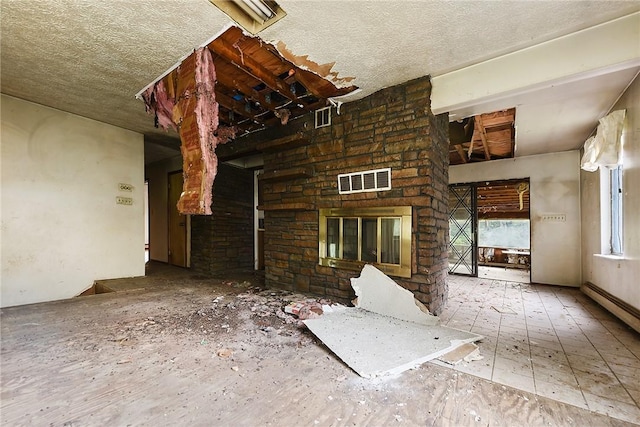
x,y
249,92
483,136
286,174
461,153
289,141
287,207
499,118
250,66
236,106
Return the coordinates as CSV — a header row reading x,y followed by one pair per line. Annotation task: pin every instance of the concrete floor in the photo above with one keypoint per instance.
x,y
551,341
175,348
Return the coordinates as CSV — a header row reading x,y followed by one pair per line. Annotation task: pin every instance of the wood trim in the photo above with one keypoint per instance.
x,y
629,314
290,141
287,207
286,174
614,299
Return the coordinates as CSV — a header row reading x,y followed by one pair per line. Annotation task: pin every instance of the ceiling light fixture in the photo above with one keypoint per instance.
x,y
253,15
257,9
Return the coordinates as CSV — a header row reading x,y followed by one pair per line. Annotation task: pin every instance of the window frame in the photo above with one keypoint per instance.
x,y
611,210
404,213
616,210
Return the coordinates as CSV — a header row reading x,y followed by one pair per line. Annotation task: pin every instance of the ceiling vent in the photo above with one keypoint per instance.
x,y
323,117
360,182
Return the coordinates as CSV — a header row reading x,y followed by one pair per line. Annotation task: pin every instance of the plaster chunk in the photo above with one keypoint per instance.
x,y
380,294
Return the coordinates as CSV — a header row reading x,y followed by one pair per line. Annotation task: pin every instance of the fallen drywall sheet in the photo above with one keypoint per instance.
x,y
378,293
467,352
376,345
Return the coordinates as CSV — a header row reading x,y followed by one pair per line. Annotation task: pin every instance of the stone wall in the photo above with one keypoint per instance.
x,y
224,241
391,128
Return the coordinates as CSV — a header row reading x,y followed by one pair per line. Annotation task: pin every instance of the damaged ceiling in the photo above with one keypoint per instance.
x,y
483,137
234,85
256,87
98,55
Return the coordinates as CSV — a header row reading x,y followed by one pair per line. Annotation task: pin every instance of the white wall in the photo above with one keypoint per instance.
x,y
554,181
618,276
157,174
61,226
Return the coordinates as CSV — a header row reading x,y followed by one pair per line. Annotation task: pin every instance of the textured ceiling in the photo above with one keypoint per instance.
x,y
91,57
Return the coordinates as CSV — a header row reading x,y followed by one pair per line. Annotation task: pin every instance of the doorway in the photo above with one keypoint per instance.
x,y
489,229
258,221
177,223
463,240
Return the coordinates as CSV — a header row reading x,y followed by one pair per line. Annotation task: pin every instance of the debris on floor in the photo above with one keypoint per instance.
x,y
504,309
467,352
305,310
378,293
387,332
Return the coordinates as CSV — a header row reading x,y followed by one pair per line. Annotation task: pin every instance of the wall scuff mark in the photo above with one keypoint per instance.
x,y
185,100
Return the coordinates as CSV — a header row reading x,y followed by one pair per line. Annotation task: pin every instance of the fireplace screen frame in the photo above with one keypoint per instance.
x,y
334,239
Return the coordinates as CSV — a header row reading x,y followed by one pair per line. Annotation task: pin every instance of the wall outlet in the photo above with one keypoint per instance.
x,y
125,187
124,200
556,217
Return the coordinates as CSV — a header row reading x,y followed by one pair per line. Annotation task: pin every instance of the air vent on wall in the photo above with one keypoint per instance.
x,y
359,182
323,117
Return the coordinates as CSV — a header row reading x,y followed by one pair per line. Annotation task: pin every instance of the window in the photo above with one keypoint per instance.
x,y
615,181
504,233
323,117
611,212
350,238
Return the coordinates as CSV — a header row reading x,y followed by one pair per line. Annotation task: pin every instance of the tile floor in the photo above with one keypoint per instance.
x,y
552,341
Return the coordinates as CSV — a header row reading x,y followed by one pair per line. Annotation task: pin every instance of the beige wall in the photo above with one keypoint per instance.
x,y
619,276
61,226
554,188
157,175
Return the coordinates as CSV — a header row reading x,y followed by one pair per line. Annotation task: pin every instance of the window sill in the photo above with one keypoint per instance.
x,y
609,256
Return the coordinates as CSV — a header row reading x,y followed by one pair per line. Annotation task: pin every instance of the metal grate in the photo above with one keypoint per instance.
x,y
359,182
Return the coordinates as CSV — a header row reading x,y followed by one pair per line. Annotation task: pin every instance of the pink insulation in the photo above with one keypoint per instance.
x,y
206,112
158,101
194,113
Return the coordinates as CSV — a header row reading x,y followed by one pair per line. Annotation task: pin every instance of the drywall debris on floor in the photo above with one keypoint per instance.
x,y
304,309
378,293
387,332
467,352
504,309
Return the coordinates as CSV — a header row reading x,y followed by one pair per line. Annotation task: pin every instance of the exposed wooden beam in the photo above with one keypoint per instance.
x,y
483,136
499,118
460,151
251,67
249,92
236,106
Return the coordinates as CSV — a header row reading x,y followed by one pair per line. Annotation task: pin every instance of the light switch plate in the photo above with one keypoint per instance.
x,y
554,217
124,200
125,187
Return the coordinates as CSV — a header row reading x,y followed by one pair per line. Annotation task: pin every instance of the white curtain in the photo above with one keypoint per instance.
x,y
604,149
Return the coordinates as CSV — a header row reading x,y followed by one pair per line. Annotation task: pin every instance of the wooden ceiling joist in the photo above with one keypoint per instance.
x,y
461,153
483,136
252,67
493,138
